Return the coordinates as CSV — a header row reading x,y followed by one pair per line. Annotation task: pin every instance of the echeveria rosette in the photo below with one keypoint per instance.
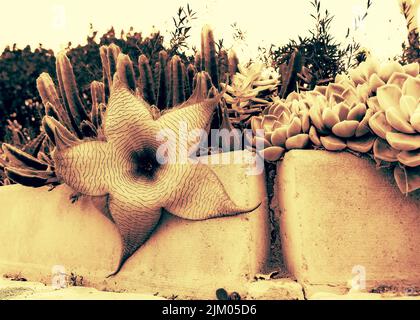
x,y
337,124
361,83
285,125
125,167
397,125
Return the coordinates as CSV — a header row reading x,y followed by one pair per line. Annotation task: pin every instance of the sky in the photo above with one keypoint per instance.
x,y
56,22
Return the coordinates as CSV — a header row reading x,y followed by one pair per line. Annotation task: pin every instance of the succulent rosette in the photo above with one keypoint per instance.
x,y
285,125
397,125
250,90
384,98
336,123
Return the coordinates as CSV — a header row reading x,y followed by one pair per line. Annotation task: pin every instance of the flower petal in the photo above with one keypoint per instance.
x,y
87,168
196,193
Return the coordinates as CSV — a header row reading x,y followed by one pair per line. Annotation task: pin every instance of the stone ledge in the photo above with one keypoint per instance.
x,y
337,212
275,289
19,290
40,229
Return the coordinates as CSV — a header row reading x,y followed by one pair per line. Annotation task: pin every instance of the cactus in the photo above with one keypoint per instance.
x,y
289,73
162,80
147,85
177,81
197,61
233,63
223,66
208,51
70,93
191,72
97,90
187,88
125,71
202,86
50,99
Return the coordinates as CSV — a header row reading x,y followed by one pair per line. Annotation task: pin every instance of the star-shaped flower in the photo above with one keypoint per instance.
x,y
126,167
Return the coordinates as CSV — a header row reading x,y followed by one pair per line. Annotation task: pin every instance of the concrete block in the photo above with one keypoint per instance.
x,y
41,228
275,289
342,219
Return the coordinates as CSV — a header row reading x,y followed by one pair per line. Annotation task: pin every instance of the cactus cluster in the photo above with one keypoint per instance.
x,y
373,109
170,83
32,164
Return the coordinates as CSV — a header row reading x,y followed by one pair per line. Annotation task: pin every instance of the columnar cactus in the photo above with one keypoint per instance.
x,y
233,63
223,65
125,71
177,81
289,73
162,80
208,51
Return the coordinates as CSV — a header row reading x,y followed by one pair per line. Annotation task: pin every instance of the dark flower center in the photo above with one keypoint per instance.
x,y
145,163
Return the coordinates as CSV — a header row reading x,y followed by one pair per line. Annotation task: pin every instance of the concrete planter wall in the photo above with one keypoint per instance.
x,y
341,218
40,229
